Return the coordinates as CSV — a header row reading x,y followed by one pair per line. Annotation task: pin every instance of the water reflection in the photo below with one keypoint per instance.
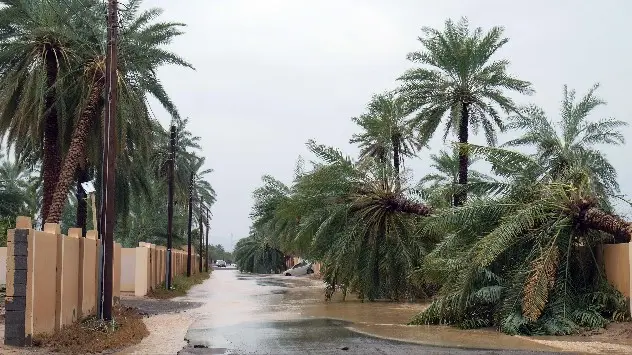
x,y
234,301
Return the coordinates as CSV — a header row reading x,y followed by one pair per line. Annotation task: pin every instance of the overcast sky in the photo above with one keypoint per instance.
x,y
273,74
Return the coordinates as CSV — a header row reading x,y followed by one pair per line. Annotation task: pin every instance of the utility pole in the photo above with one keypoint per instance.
x,y
208,227
201,230
190,223
109,160
172,161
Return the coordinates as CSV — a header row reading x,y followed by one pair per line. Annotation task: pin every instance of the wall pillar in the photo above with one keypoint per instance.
x,y
16,276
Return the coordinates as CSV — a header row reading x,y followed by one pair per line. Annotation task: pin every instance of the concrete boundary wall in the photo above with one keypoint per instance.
x,y
51,278
149,266
617,260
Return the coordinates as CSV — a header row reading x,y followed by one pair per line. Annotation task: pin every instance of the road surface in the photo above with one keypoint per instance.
x,y
250,314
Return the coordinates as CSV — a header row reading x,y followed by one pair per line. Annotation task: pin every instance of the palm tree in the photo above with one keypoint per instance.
x,y
350,216
522,259
571,152
38,40
461,82
141,53
446,178
256,254
387,132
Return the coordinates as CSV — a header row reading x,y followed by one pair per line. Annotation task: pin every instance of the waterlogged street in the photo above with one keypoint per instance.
x,y
252,314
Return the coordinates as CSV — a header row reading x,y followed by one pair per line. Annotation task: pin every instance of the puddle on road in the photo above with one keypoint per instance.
x,y
231,299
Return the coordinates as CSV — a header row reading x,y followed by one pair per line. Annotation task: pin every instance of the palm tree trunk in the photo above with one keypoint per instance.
x,y
375,292
395,140
459,199
75,152
595,218
50,154
401,204
82,203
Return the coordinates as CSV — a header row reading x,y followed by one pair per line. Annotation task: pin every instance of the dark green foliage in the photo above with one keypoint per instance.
x,y
521,260
255,254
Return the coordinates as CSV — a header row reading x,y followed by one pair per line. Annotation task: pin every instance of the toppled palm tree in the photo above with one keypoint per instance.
x,y
523,259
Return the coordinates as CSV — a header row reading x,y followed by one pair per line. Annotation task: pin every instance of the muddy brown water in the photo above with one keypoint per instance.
x,y
256,314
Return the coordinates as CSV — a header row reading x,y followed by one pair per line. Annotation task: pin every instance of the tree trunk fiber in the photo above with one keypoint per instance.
x,y
595,218
459,199
75,152
82,202
401,204
50,154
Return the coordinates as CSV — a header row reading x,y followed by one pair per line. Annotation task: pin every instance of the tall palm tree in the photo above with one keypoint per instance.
x,y
461,82
387,133
568,148
38,42
141,53
446,177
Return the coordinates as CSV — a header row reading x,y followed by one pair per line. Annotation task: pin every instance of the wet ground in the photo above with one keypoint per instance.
x,y
251,314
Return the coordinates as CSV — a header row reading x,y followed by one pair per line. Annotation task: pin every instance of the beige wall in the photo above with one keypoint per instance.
x,y
41,287
67,300
3,265
142,271
62,272
617,263
88,274
128,267
116,273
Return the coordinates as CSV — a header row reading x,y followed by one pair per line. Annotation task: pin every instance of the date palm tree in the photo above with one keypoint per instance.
x,y
445,179
38,43
141,53
522,259
460,85
568,148
387,133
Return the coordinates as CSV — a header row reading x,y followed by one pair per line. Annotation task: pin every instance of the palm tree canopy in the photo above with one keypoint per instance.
x,y
384,125
458,71
569,148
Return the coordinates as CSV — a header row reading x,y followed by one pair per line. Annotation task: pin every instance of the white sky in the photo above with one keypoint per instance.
x,y
273,74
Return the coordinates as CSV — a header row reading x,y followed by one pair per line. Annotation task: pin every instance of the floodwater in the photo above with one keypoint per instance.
x,y
256,314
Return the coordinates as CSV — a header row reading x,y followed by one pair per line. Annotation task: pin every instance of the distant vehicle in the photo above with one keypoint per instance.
x,y
302,268
220,263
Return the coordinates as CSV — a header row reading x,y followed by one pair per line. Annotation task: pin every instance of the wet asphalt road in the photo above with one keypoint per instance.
x,y
247,314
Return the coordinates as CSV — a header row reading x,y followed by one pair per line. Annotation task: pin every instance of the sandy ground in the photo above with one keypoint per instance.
x,y
166,334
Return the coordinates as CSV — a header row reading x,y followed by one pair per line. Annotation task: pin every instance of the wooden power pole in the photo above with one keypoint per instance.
x,y
190,224
208,227
108,165
201,230
172,162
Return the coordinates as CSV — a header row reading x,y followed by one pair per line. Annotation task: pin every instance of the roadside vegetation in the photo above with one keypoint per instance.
x,y
51,109
514,247
94,336
181,285
52,101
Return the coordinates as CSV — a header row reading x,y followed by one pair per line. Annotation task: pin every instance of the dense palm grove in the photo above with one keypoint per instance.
x,y
517,248
52,60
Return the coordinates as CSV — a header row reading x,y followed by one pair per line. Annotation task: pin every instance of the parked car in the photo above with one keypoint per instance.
x,y
302,268
220,263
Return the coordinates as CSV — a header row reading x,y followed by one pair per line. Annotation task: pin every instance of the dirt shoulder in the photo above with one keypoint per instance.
x,y
167,322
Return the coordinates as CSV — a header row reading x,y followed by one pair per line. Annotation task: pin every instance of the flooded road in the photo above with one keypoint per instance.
x,y
253,314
